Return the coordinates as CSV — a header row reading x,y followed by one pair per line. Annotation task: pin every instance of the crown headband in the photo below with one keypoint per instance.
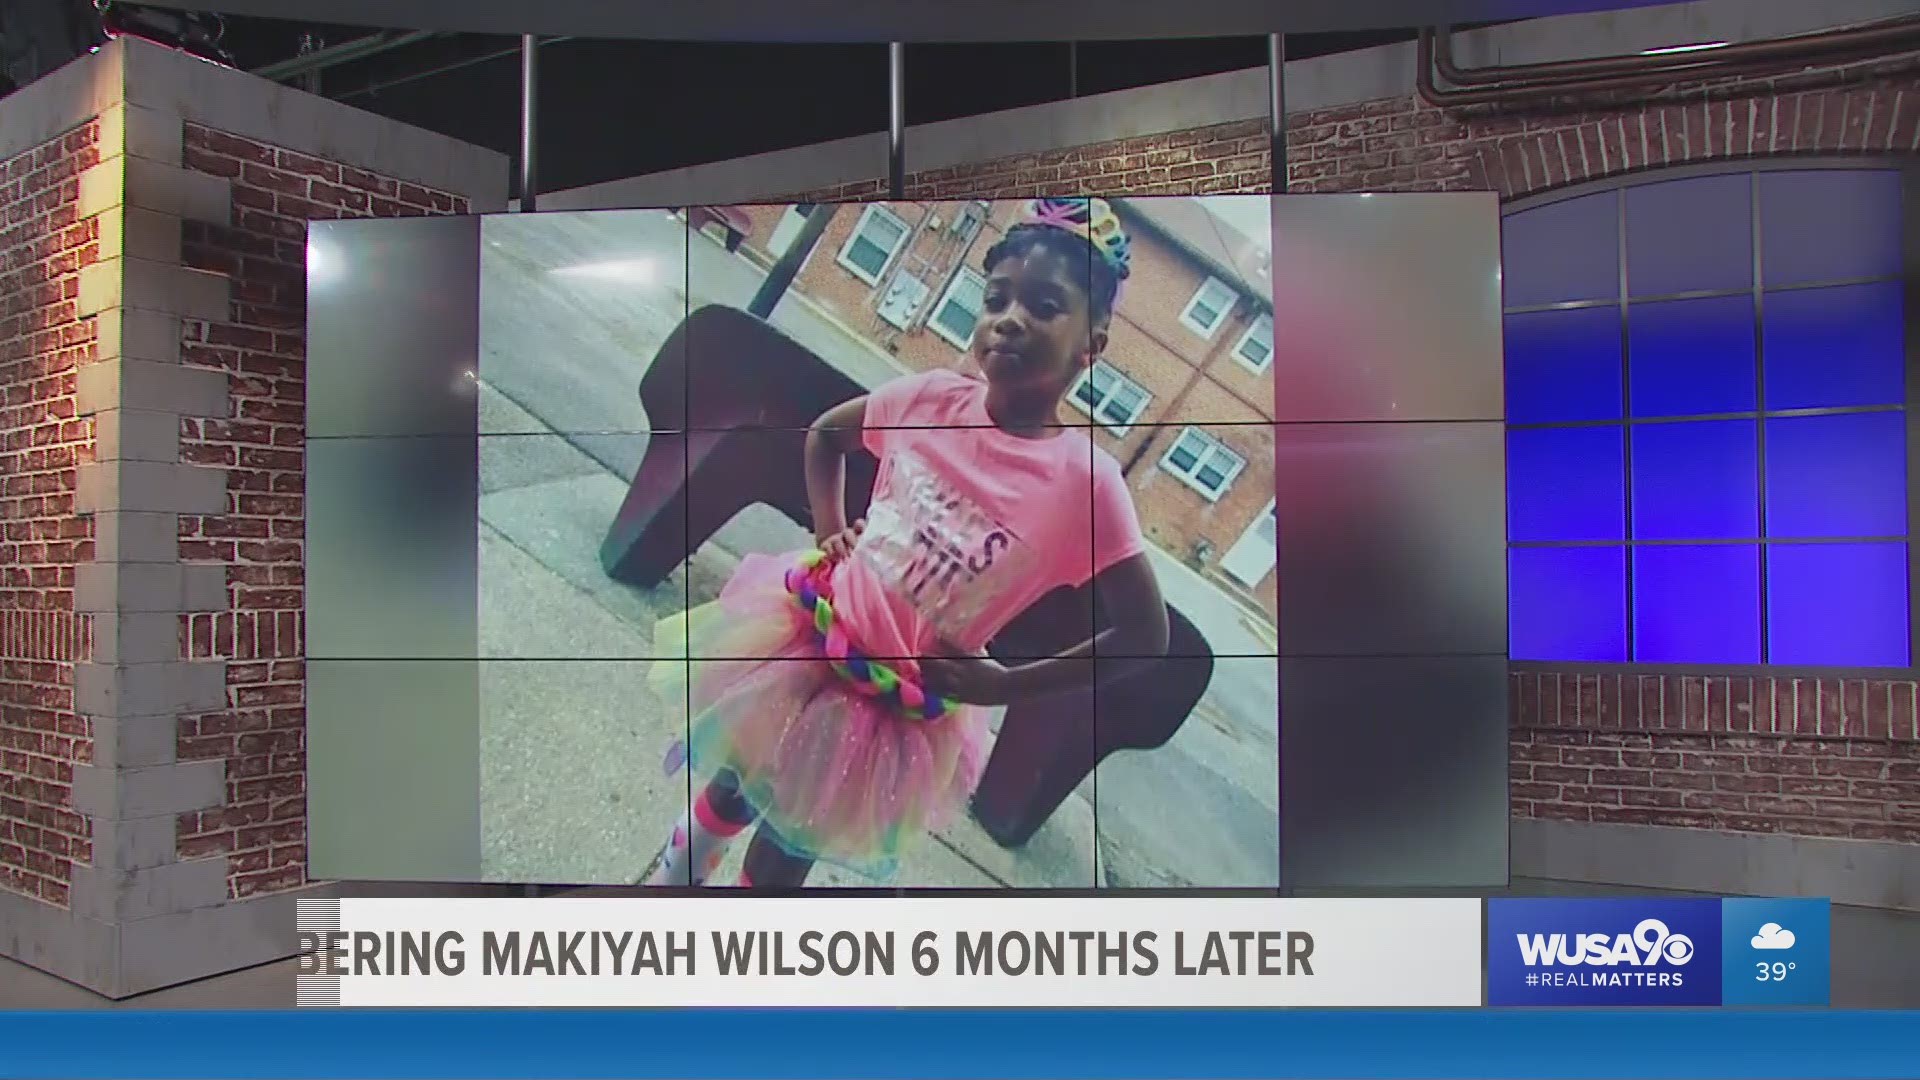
x,y
1092,220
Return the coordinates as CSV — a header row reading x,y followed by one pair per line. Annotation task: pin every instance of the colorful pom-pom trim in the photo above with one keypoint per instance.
x,y
811,585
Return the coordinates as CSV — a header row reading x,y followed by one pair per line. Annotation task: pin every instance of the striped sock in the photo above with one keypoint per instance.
x,y
698,843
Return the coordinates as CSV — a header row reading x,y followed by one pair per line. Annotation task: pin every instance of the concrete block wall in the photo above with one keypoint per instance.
x,y
163,634
59,139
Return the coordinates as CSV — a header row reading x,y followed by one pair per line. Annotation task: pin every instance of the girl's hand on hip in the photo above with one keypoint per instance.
x,y
839,545
974,679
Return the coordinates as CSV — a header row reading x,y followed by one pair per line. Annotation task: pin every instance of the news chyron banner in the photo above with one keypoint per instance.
x,y
1012,952
1659,952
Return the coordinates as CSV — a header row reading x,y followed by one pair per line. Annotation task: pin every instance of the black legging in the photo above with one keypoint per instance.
x,y
768,865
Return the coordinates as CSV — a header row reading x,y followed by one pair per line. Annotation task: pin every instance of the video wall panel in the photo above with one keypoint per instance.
x,y
930,544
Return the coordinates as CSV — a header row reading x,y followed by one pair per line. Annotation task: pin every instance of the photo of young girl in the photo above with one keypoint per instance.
x,y
922,544
859,724
926,542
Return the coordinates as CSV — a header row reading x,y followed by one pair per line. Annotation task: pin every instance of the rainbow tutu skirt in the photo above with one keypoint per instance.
x,y
840,772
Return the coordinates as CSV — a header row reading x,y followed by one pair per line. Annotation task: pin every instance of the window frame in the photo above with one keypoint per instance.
x,y
1247,335
1205,332
1118,431
946,296
1622,301
867,215
1214,444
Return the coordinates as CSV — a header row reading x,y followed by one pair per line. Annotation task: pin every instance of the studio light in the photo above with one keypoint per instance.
x,y
193,33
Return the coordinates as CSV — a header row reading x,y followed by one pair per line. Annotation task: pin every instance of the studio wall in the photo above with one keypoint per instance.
x,y
152,684
110,792
1696,776
681,489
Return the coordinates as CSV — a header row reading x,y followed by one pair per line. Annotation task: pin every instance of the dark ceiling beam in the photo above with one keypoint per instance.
x,y
345,52
377,78
37,36
901,20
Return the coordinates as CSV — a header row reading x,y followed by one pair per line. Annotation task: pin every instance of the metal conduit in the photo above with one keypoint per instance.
x,y
1277,110
1492,85
345,52
896,120
1892,33
441,69
529,121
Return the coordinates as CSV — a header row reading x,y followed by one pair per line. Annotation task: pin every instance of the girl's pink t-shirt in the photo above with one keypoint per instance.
x,y
970,525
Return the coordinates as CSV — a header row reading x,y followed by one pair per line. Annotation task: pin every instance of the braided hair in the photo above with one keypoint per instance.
x,y
1076,230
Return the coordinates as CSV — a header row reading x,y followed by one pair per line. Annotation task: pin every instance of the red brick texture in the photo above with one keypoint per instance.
x,y
261,445
1809,756
43,341
1826,757
1404,144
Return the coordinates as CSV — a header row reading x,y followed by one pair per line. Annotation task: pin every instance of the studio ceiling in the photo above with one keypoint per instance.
x,y
899,20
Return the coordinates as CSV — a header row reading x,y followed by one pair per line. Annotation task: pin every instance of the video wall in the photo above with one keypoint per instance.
x,y
923,544
1684,393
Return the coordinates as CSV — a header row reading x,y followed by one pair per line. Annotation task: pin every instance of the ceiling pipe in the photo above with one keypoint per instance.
x,y
345,52
1884,34
1672,68
441,69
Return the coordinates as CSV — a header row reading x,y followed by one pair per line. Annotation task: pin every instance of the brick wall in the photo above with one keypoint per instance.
x,y
43,244
1811,756
1815,757
260,445
1403,144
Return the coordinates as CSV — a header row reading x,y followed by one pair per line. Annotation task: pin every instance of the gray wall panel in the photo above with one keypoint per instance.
x,y
393,327
391,548
1391,499
1392,538
392,552
1387,307
1393,772
393,770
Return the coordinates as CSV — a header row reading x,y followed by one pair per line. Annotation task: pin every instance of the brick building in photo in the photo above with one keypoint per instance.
x,y
1182,396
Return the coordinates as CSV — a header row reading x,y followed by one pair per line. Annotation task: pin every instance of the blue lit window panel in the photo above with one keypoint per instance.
x,y
1696,480
1692,235
1690,357
1822,225
1563,365
1840,605
1840,475
1567,603
1563,251
1566,484
1696,604
1833,347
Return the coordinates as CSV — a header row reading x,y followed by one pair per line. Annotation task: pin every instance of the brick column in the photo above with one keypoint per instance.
x,y
55,138
152,367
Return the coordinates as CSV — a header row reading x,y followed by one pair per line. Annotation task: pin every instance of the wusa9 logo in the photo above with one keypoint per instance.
x,y
1603,952
1650,944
